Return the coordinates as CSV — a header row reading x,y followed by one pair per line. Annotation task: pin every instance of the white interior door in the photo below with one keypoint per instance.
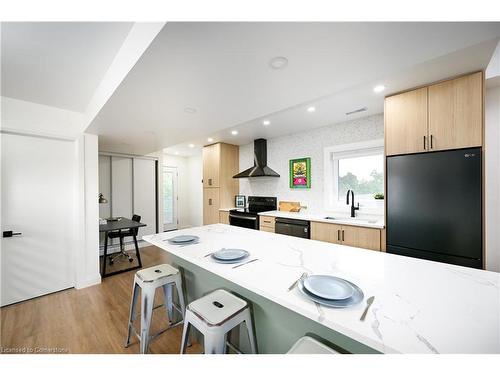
x,y
38,200
169,183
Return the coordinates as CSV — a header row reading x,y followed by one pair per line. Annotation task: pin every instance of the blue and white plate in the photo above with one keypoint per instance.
x,y
356,297
328,287
183,239
230,254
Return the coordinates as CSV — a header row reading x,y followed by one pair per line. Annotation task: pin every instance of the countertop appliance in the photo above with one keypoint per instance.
x,y
248,217
292,227
434,208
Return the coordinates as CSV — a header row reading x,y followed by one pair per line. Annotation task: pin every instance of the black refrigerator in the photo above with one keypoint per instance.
x,y
434,208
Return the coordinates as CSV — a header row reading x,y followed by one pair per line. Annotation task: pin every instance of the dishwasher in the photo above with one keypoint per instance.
x,y
292,227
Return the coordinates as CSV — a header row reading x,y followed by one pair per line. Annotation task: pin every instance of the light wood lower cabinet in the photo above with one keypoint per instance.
x,y
224,217
266,223
366,238
210,206
326,232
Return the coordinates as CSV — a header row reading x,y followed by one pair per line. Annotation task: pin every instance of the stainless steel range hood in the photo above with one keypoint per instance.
x,y
260,168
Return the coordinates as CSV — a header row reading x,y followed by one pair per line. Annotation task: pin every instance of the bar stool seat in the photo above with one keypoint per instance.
x,y
148,280
214,315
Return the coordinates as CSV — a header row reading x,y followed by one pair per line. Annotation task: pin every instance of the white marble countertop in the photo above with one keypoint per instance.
x,y
369,221
420,306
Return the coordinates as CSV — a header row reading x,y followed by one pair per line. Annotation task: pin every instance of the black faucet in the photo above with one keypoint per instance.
x,y
353,208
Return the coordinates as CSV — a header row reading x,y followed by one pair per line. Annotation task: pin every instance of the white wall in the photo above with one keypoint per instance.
x,y
195,190
492,178
305,144
87,259
190,193
20,115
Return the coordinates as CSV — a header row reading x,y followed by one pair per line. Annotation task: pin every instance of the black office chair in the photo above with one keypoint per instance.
x,y
121,234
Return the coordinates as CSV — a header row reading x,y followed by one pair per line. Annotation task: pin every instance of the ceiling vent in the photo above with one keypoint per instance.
x,y
356,111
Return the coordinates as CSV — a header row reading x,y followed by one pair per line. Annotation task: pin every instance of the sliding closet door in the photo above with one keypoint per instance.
x,y
145,194
121,187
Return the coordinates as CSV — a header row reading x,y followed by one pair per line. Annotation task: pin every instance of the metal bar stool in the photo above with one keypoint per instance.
x,y
214,315
167,277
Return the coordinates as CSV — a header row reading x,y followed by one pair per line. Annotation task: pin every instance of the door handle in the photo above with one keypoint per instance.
x,y
338,234
424,142
342,235
431,141
9,233
210,181
210,201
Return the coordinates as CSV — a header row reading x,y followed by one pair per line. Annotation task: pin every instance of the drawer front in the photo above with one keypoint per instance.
x,y
267,221
267,229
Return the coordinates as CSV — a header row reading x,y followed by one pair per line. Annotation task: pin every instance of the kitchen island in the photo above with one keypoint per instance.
x,y
420,306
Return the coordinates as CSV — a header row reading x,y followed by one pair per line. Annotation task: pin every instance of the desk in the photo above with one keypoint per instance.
x,y
112,226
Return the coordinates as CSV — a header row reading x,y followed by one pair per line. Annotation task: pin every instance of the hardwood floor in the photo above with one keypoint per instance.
x,y
90,320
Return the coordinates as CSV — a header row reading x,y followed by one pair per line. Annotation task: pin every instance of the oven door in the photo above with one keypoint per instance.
x,y
244,221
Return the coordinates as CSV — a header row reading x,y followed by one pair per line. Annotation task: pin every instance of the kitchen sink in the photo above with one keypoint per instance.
x,y
353,219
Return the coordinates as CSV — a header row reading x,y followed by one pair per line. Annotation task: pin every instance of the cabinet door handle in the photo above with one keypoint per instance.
x,y
431,141
342,235
424,142
210,201
210,181
338,234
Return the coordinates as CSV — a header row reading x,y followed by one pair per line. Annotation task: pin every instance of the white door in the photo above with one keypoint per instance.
x,y
38,200
169,198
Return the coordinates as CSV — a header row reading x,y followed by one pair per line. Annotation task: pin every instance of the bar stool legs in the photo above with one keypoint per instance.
x,y
148,280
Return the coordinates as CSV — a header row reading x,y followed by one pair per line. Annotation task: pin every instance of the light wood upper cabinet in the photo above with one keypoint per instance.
x,y
445,116
456,113
326,232
211,165
210,206
366,238
220,164
405,117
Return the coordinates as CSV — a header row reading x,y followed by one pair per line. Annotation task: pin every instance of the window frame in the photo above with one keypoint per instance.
x,y
331,174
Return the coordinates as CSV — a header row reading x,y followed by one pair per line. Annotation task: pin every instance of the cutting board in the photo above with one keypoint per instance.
x,y
289,206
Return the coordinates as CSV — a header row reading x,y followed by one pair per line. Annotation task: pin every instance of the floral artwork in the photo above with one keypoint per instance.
x,y
300,173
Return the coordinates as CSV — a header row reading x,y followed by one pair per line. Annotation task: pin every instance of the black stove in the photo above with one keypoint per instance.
x,y
248,217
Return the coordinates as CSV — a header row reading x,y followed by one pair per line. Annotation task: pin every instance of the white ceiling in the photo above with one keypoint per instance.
x,y
222,70
59,64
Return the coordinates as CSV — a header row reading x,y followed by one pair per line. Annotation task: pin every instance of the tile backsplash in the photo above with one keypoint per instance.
x,y
305,144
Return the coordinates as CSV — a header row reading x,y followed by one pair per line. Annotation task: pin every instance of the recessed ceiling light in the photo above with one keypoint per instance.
x,y
234,132
190,110
379,88
311,109
176,152
191,145
278,62
210,139
266,122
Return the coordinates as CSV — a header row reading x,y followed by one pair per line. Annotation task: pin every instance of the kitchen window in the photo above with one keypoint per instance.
x,y
355,166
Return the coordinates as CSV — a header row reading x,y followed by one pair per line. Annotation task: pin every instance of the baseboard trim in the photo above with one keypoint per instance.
x,y
88,282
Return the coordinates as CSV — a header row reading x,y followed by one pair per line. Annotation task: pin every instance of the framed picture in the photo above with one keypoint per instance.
x,y
300,173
